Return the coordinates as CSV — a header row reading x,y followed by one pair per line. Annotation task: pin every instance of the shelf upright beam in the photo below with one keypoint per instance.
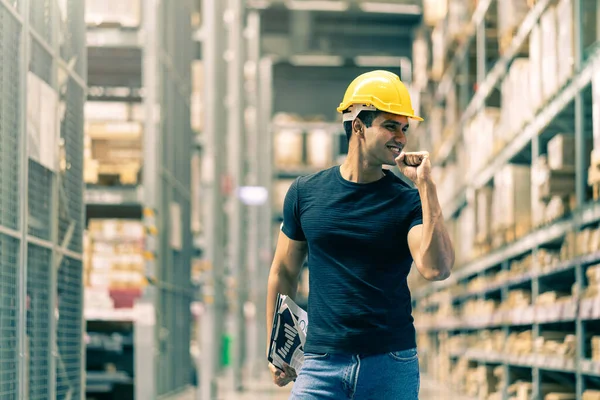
x,y
580,179
145,334
24,49
265,89
255,331
237,157
214,167
535,282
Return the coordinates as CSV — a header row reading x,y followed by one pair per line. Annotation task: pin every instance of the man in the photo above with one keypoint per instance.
x,y
362,228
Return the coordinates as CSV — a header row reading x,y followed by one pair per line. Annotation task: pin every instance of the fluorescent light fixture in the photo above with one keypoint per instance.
x,y
316,60
390,8
378,61
253,195
317,5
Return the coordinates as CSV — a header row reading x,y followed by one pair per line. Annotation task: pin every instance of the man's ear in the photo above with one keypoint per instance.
x,y
358,127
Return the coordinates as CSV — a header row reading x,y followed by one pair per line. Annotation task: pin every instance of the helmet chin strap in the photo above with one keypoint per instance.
x,y
355,109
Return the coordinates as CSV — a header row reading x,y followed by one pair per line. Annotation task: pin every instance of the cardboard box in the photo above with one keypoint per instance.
x,y
591,395
512,202
198,77
535,67
319,148
484,212
289,150
561,151
548,26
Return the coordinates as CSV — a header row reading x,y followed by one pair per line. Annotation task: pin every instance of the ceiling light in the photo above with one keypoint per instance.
x,y
377,61
259,4
316,60
391,8
317,5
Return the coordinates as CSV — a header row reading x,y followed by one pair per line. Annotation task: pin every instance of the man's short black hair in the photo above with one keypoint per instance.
x,y
367,117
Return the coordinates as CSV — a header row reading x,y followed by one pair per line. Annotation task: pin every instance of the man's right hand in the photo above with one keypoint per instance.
x,y
281,378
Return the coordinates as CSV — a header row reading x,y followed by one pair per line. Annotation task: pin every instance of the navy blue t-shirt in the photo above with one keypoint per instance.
x,y
358,260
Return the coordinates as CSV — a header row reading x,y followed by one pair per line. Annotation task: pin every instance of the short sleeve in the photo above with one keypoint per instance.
x,y
416,214
291,214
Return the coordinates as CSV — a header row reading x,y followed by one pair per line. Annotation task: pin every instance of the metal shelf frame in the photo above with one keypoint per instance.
x,y
531,135
41,198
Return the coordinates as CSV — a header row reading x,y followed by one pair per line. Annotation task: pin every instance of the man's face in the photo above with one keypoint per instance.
x,y
385,139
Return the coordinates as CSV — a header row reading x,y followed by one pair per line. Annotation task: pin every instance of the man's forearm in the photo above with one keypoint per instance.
x,y
437,253
279,282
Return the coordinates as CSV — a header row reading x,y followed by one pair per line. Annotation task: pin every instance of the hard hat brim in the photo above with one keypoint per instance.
x,y
344,107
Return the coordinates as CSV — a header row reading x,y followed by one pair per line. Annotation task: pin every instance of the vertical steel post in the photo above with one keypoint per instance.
x,y
215,151
255,330
23,178
265,223
580,178
237,158
535,282
580,134
145,335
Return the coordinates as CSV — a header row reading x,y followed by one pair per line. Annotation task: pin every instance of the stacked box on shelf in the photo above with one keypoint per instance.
x,y
113,12
466,235
516,103
196,101
566,34
113,152
480,138
520,390
587,241
438,43
115,262
512,203
595,342
319,148
535,68
510,15
591,395
548,28
556,344
593,277
459,12
483,217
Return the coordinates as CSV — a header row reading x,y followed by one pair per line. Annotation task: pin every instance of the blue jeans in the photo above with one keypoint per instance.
x,y
393,376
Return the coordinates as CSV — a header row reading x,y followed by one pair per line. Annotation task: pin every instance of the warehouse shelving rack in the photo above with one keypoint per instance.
x,y
156,59
41,199
569,107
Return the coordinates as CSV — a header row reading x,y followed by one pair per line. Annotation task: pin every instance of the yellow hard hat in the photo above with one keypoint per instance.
x,y
377,90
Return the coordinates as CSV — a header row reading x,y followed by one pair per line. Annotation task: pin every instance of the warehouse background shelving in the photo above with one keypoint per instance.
x,y
514,320
138,199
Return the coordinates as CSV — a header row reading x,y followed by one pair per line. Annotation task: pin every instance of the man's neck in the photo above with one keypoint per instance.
x,y
356,169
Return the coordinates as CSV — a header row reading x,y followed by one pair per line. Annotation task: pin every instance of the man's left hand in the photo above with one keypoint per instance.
x,y
416,166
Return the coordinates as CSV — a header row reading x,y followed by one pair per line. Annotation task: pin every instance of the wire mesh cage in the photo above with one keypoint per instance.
x,y
40,335
69,329
39,315
9,296
10,118
71,168
40,17
174,296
